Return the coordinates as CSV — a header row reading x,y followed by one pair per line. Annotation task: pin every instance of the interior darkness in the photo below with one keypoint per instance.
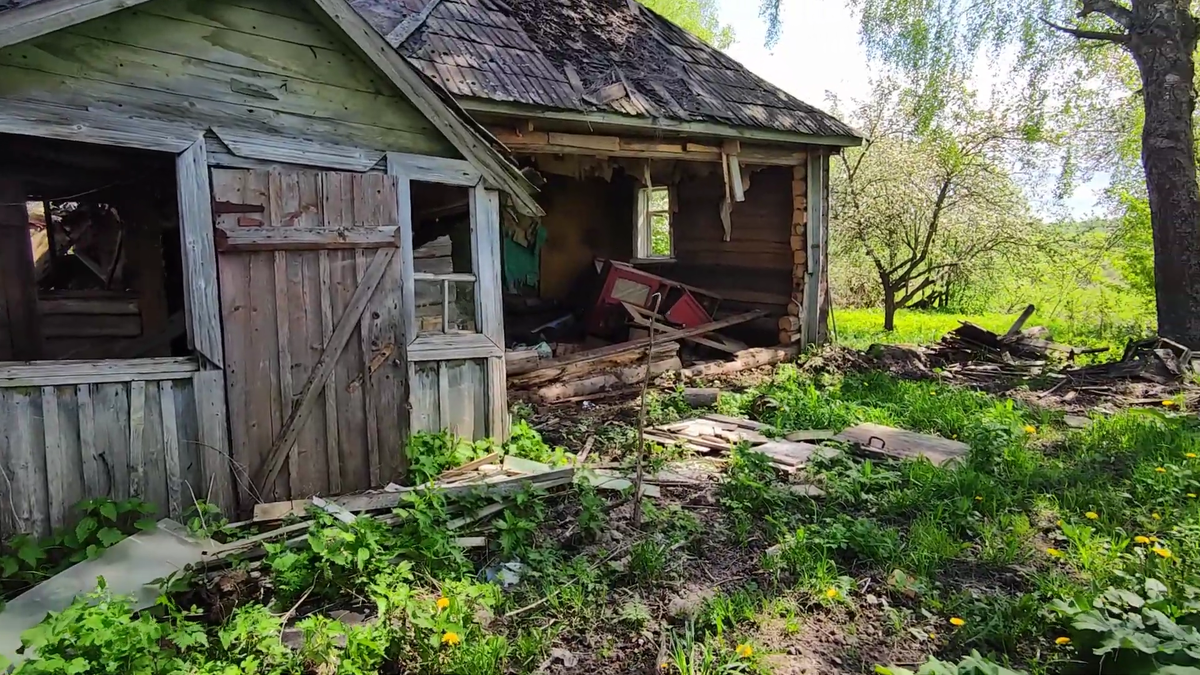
x,y
103,228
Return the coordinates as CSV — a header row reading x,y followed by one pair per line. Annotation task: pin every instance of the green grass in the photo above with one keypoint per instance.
x,y
859,328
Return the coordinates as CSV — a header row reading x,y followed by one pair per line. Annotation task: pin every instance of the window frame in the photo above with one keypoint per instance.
x,y
643,225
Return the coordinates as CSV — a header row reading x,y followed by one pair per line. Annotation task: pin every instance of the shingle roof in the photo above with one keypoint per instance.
x,y
562,54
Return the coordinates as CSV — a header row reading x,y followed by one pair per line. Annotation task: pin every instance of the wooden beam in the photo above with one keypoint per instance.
x,y
621,348
40,18
58,373
201,303
44,120
544,143
285,442
304,239
285,150
427,169
18,278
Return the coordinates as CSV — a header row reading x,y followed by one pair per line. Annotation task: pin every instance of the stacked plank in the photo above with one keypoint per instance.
x,y
720,434
609,373
790,326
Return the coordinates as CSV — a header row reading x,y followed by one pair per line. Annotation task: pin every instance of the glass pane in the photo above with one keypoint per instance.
x,y
660,235
660,199
445,306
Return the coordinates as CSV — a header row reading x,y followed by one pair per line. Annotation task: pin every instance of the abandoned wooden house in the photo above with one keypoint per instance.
x,y
209,284
657,150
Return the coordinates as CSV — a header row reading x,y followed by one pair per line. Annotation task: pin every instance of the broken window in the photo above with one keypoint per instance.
x,y
443,260
654,238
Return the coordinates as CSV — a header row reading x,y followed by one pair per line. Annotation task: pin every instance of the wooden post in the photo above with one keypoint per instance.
x,y
21,338
790,327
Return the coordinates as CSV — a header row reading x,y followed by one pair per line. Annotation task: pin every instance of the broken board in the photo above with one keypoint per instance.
x,y
720,433
890,443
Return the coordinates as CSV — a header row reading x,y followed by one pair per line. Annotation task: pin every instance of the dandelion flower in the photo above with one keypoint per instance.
x,y
664,665
443,603
1054,553
1168,403
978,498
1030,429
745,651
1161,470
1191,495
1190,455
1156,516
955,621
831,593
1064,640
1161,552
451,638
933,636
1092,515
1140,539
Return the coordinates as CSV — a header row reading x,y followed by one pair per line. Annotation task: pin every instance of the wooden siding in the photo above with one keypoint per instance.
x,y
265,65
451,395
64,443
280,309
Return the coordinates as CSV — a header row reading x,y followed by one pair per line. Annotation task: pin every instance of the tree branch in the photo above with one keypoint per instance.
x,y
1122,16
1116,38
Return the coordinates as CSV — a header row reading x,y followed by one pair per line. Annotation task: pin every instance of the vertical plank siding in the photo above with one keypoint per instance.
x,y
62,444
452,395
280,308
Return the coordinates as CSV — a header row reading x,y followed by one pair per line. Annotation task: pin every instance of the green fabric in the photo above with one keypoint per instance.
x,y
523,264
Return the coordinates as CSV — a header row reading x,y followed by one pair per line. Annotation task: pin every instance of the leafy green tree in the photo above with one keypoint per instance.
x,y
927,207
936,42
698,17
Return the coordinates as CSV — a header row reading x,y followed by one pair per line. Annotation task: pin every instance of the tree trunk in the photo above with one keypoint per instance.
x,y
889,309
1162,42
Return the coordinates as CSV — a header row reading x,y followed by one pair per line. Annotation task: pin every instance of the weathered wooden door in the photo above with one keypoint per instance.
x,y
308,263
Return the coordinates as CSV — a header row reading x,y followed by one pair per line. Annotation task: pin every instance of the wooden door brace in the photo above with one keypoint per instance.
x,y
285,442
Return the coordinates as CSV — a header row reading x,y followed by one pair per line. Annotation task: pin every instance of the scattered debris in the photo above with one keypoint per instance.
x,y
890,443
718,433
1156,360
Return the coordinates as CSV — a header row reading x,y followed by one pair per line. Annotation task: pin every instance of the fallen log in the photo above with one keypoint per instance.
x,y
701,398
744,360
601,383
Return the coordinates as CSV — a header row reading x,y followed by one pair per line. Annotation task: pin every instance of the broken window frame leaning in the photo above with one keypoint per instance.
x,y
643,243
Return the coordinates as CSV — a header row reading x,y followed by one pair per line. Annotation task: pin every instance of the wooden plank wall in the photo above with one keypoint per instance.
x,y
63,444
585,219
279,310
266,65
753,270
451,395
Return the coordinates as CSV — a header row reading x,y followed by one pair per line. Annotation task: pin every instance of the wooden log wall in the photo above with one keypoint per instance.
x,y
267,65
790,325
120,436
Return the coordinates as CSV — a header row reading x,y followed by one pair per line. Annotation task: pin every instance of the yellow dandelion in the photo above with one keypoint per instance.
x,y
1168,403
1161,470
1064,640
664,665
1161,552
933,636
957,622
443,603
1190,455
1030,429
451,638
1054,553
1154,539
978,498
745,651
1091,515
1155,516
831,593
1141,539
1191,495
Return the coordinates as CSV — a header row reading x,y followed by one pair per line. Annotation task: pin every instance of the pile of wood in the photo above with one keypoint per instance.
x,y
622,367
1156,360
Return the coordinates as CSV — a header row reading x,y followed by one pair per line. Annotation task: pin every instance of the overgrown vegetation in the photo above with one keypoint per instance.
x,y
1047,551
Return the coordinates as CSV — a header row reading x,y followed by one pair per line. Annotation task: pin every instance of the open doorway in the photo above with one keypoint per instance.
x,y
91,260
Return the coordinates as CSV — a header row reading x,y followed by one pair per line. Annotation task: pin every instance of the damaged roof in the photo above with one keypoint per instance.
x,y
612,56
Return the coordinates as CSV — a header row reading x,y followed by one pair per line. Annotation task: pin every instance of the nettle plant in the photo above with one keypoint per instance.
x,y
1151,630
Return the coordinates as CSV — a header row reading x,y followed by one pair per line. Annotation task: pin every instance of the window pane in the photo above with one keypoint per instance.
x,y
660,199
445,306
660,235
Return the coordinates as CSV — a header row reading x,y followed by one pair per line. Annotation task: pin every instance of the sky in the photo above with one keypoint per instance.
x,y
820,54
